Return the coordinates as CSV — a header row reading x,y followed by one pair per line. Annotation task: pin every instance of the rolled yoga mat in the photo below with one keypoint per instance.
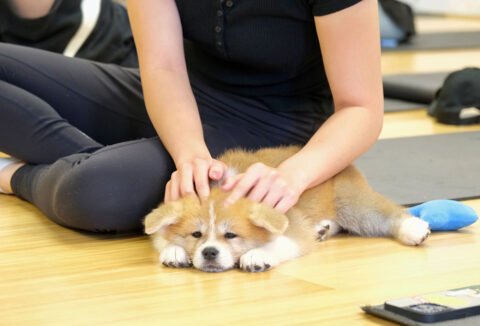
x,y
394,105
439,41
414,170
413,88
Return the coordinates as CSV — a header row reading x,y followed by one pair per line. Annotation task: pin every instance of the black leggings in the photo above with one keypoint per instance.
x,y
94,161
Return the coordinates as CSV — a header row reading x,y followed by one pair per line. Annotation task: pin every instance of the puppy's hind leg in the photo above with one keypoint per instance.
x,y
412,230
326,229
364,212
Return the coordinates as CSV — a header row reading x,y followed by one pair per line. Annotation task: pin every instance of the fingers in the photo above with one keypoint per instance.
x,y
193,177
243,184
217,170
200,177
288,200
260,191
166,197
186,180
275,194
263,184
172,191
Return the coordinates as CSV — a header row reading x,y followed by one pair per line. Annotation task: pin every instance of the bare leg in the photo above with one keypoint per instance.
x,y
6,176
31,9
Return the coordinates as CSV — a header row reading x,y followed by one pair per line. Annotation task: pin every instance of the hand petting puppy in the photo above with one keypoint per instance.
x,y
261,183
193,177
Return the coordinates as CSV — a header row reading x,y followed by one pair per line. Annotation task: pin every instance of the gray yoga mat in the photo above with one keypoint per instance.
x,y
394,105
416,88
417,169
440,41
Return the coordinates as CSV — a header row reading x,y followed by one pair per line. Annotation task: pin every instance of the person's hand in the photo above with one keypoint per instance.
x,y
267,185
192,177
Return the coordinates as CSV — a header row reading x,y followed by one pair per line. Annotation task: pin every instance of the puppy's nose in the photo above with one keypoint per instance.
x,y
210,253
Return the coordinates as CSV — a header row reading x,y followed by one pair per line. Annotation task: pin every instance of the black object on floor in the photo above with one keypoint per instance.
x,y
414,170
440,41
380,311
417,88
460,91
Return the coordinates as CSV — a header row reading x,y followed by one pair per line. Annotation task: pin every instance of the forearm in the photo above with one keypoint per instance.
x,y
31,9
350,44
174,114
168,96
342,138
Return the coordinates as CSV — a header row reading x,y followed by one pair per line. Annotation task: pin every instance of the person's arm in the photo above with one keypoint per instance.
x,y
350,47
31,9
350,44
168,96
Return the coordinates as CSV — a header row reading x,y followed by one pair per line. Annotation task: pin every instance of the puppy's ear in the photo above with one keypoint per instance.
x,y
163,216
268,218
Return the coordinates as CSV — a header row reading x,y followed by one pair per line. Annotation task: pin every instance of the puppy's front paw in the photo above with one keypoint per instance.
x,y
175,256
413,231
257,260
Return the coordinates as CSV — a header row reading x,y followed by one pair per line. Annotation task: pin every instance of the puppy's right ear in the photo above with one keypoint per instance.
x,y
163,216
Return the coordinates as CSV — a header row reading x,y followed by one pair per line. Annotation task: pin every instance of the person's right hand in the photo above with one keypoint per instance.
x,y
193,177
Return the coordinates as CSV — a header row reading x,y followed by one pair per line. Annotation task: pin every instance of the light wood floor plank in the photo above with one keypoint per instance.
x,y
429,24
417,123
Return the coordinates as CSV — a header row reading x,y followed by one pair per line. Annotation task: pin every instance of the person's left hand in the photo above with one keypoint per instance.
x,y
267,185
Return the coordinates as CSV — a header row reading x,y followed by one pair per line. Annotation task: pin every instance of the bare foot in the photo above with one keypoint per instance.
x,y
6,176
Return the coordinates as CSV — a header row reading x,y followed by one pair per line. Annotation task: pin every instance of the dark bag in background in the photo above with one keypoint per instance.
x,y
402,15
458,101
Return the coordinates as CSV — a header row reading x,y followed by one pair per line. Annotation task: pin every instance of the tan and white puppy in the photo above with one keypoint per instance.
x,y
254,237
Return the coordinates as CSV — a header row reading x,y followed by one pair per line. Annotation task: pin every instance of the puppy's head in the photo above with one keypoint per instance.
x,y
214,236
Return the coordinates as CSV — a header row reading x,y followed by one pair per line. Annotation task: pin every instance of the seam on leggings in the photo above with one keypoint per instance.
x,y
63,85
112,147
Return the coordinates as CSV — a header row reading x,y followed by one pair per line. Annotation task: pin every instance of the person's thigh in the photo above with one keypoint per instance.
x,y
102,100
109,190
32,131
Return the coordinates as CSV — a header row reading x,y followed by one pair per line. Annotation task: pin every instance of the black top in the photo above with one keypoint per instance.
x,y
111,40
262,48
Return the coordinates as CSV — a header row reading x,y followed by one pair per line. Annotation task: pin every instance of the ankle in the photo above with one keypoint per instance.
x,y
6,175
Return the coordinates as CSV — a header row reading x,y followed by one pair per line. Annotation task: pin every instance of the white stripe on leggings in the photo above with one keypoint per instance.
x,y
90,13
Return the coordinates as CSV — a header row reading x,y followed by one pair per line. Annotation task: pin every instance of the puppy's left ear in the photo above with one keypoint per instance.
x,y
162,217
268,218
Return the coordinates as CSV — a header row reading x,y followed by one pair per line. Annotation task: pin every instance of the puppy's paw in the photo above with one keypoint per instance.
x,y
326,228
175,256
413,231
257,260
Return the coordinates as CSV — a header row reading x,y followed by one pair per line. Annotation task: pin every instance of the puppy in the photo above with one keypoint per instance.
x,y
254,237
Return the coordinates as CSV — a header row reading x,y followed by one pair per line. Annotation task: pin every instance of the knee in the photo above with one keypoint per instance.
x,y
103,199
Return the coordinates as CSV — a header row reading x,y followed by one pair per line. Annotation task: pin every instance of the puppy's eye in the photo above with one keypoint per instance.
x,y
230,235
197,234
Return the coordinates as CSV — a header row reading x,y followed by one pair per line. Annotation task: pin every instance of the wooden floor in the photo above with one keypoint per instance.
x,y
53,276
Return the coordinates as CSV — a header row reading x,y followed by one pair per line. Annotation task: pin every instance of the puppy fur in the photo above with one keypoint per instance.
x,y
254,237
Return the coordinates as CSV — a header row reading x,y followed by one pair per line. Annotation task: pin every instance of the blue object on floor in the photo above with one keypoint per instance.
x,y
445,215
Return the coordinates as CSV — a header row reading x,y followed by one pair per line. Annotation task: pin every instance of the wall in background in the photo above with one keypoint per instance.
x,y
453,7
